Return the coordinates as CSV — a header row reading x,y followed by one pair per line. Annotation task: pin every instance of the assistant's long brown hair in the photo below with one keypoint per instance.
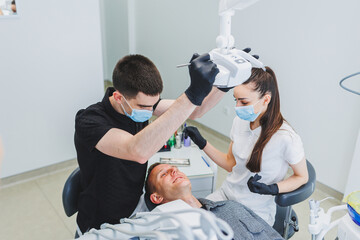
x,y
265,83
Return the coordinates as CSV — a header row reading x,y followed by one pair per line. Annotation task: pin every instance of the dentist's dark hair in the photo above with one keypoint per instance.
x,y
265,83
136,73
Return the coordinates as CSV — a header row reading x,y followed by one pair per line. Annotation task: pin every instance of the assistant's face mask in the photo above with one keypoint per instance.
x,y
138,115
247,113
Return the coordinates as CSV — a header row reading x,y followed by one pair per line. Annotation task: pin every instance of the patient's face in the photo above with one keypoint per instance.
x,y
169,182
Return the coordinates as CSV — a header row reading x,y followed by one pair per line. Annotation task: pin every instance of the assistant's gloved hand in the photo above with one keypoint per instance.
x,y
247,50
262,188
195,136
202,74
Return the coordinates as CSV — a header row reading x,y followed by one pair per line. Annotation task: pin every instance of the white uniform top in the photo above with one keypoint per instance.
x,y
285,147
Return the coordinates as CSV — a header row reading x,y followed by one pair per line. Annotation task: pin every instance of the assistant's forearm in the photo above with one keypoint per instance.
x,y
209,102
291,183
152,138
220,158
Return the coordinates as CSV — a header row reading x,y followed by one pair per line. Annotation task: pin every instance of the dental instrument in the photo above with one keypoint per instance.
x,y
320,222
183,65
207,164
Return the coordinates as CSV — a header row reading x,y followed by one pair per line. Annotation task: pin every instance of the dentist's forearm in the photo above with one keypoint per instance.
x,y
291,183
209,102
220,158
299,178
152,138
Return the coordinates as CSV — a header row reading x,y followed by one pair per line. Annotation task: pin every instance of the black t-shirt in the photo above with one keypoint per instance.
x,y
111,186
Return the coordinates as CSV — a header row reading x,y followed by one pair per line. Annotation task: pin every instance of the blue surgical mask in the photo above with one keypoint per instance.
x,y
138,115
247,113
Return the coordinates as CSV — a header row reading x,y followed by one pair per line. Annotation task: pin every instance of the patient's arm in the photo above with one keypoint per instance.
x,y
209,102
299,178
226,161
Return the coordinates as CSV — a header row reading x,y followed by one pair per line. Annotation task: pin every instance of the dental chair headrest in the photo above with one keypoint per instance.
x,y
149,204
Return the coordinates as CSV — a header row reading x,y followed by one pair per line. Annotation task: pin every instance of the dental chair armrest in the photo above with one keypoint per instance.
x,y
300,194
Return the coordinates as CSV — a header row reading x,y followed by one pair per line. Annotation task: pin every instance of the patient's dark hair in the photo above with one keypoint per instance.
x,y
149,189
136,73
265,83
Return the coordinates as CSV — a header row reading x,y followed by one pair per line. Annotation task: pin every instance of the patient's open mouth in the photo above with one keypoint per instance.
x,y
177,179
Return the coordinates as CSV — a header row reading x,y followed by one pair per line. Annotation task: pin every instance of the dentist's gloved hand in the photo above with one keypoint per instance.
x,y
247,50
202,74
262,188
195,136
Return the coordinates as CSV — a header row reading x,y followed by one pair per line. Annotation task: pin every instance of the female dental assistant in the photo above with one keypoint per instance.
x,y
263,145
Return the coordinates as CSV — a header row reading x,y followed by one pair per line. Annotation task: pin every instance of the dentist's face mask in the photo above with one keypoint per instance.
x,y
247,113
137,115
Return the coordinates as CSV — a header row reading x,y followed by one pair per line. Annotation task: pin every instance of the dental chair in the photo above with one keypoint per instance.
x,y
70,194
286,221
71,191
70,197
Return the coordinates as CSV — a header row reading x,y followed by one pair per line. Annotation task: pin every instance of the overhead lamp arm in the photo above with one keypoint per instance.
x,y
225,40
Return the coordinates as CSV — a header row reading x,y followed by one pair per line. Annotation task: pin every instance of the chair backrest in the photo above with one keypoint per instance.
x,y
71,191
149,204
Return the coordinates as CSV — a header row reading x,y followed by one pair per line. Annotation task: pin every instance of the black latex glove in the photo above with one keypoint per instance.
x,y
195,136
225,89
262,188
202,74
247,50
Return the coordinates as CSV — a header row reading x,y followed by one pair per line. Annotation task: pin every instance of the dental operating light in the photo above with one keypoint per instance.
x,y
234,65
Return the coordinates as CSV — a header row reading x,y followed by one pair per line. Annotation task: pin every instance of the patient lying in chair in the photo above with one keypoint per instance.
x,y
165,183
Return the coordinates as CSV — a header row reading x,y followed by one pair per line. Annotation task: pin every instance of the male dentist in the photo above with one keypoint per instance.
x,y
114,141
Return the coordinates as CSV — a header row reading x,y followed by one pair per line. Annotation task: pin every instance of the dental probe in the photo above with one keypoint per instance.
x,y
186,64
183,65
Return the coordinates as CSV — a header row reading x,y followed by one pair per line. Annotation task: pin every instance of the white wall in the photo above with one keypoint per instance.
x,y
115,33
50,67
311,45
169,32
353,177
